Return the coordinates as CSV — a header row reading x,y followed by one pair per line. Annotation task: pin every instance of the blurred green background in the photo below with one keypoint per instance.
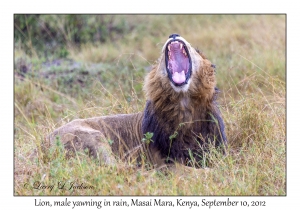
x,y
74,50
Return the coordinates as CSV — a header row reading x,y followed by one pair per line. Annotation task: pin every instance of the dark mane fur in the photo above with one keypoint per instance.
x,y
183,123
193,139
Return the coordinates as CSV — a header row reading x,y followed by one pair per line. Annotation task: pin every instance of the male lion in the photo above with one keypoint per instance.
x,y
180,112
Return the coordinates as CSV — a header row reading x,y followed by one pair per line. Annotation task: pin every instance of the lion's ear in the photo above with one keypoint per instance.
x,y
200,53
207,74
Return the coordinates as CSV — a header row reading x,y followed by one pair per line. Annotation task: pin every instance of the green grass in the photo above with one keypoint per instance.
x,y
106,78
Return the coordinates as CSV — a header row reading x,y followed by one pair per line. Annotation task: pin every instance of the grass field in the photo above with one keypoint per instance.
x,y
106,77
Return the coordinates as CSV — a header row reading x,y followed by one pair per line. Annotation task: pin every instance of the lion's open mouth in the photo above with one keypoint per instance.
x,y
178,62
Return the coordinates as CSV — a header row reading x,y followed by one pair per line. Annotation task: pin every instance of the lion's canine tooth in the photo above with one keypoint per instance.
x,y
169,47
181,45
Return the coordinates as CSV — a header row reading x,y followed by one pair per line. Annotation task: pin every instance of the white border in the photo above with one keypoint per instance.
x,y
8,201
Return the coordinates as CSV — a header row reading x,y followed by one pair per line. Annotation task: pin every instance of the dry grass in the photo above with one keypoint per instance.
x,y
249,51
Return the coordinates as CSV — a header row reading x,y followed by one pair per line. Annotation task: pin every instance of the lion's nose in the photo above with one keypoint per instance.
x,y
173,36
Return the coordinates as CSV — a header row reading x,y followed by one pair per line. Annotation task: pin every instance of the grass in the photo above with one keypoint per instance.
x,y
106,78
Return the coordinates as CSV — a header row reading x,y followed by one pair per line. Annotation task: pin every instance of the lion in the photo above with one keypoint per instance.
x,y
180,122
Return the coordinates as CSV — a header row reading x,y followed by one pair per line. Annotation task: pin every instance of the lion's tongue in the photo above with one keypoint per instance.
x,y
178,77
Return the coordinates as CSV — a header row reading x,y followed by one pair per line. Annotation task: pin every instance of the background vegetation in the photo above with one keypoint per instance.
x,y
78,66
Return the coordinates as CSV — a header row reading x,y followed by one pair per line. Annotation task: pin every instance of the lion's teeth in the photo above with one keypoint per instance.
x,y
181,46
169,47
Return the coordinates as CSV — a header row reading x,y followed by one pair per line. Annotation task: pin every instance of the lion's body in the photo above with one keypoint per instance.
x,y
184,120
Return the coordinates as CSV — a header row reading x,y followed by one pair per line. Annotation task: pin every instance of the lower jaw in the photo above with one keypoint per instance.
x,y
182,88
178,84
